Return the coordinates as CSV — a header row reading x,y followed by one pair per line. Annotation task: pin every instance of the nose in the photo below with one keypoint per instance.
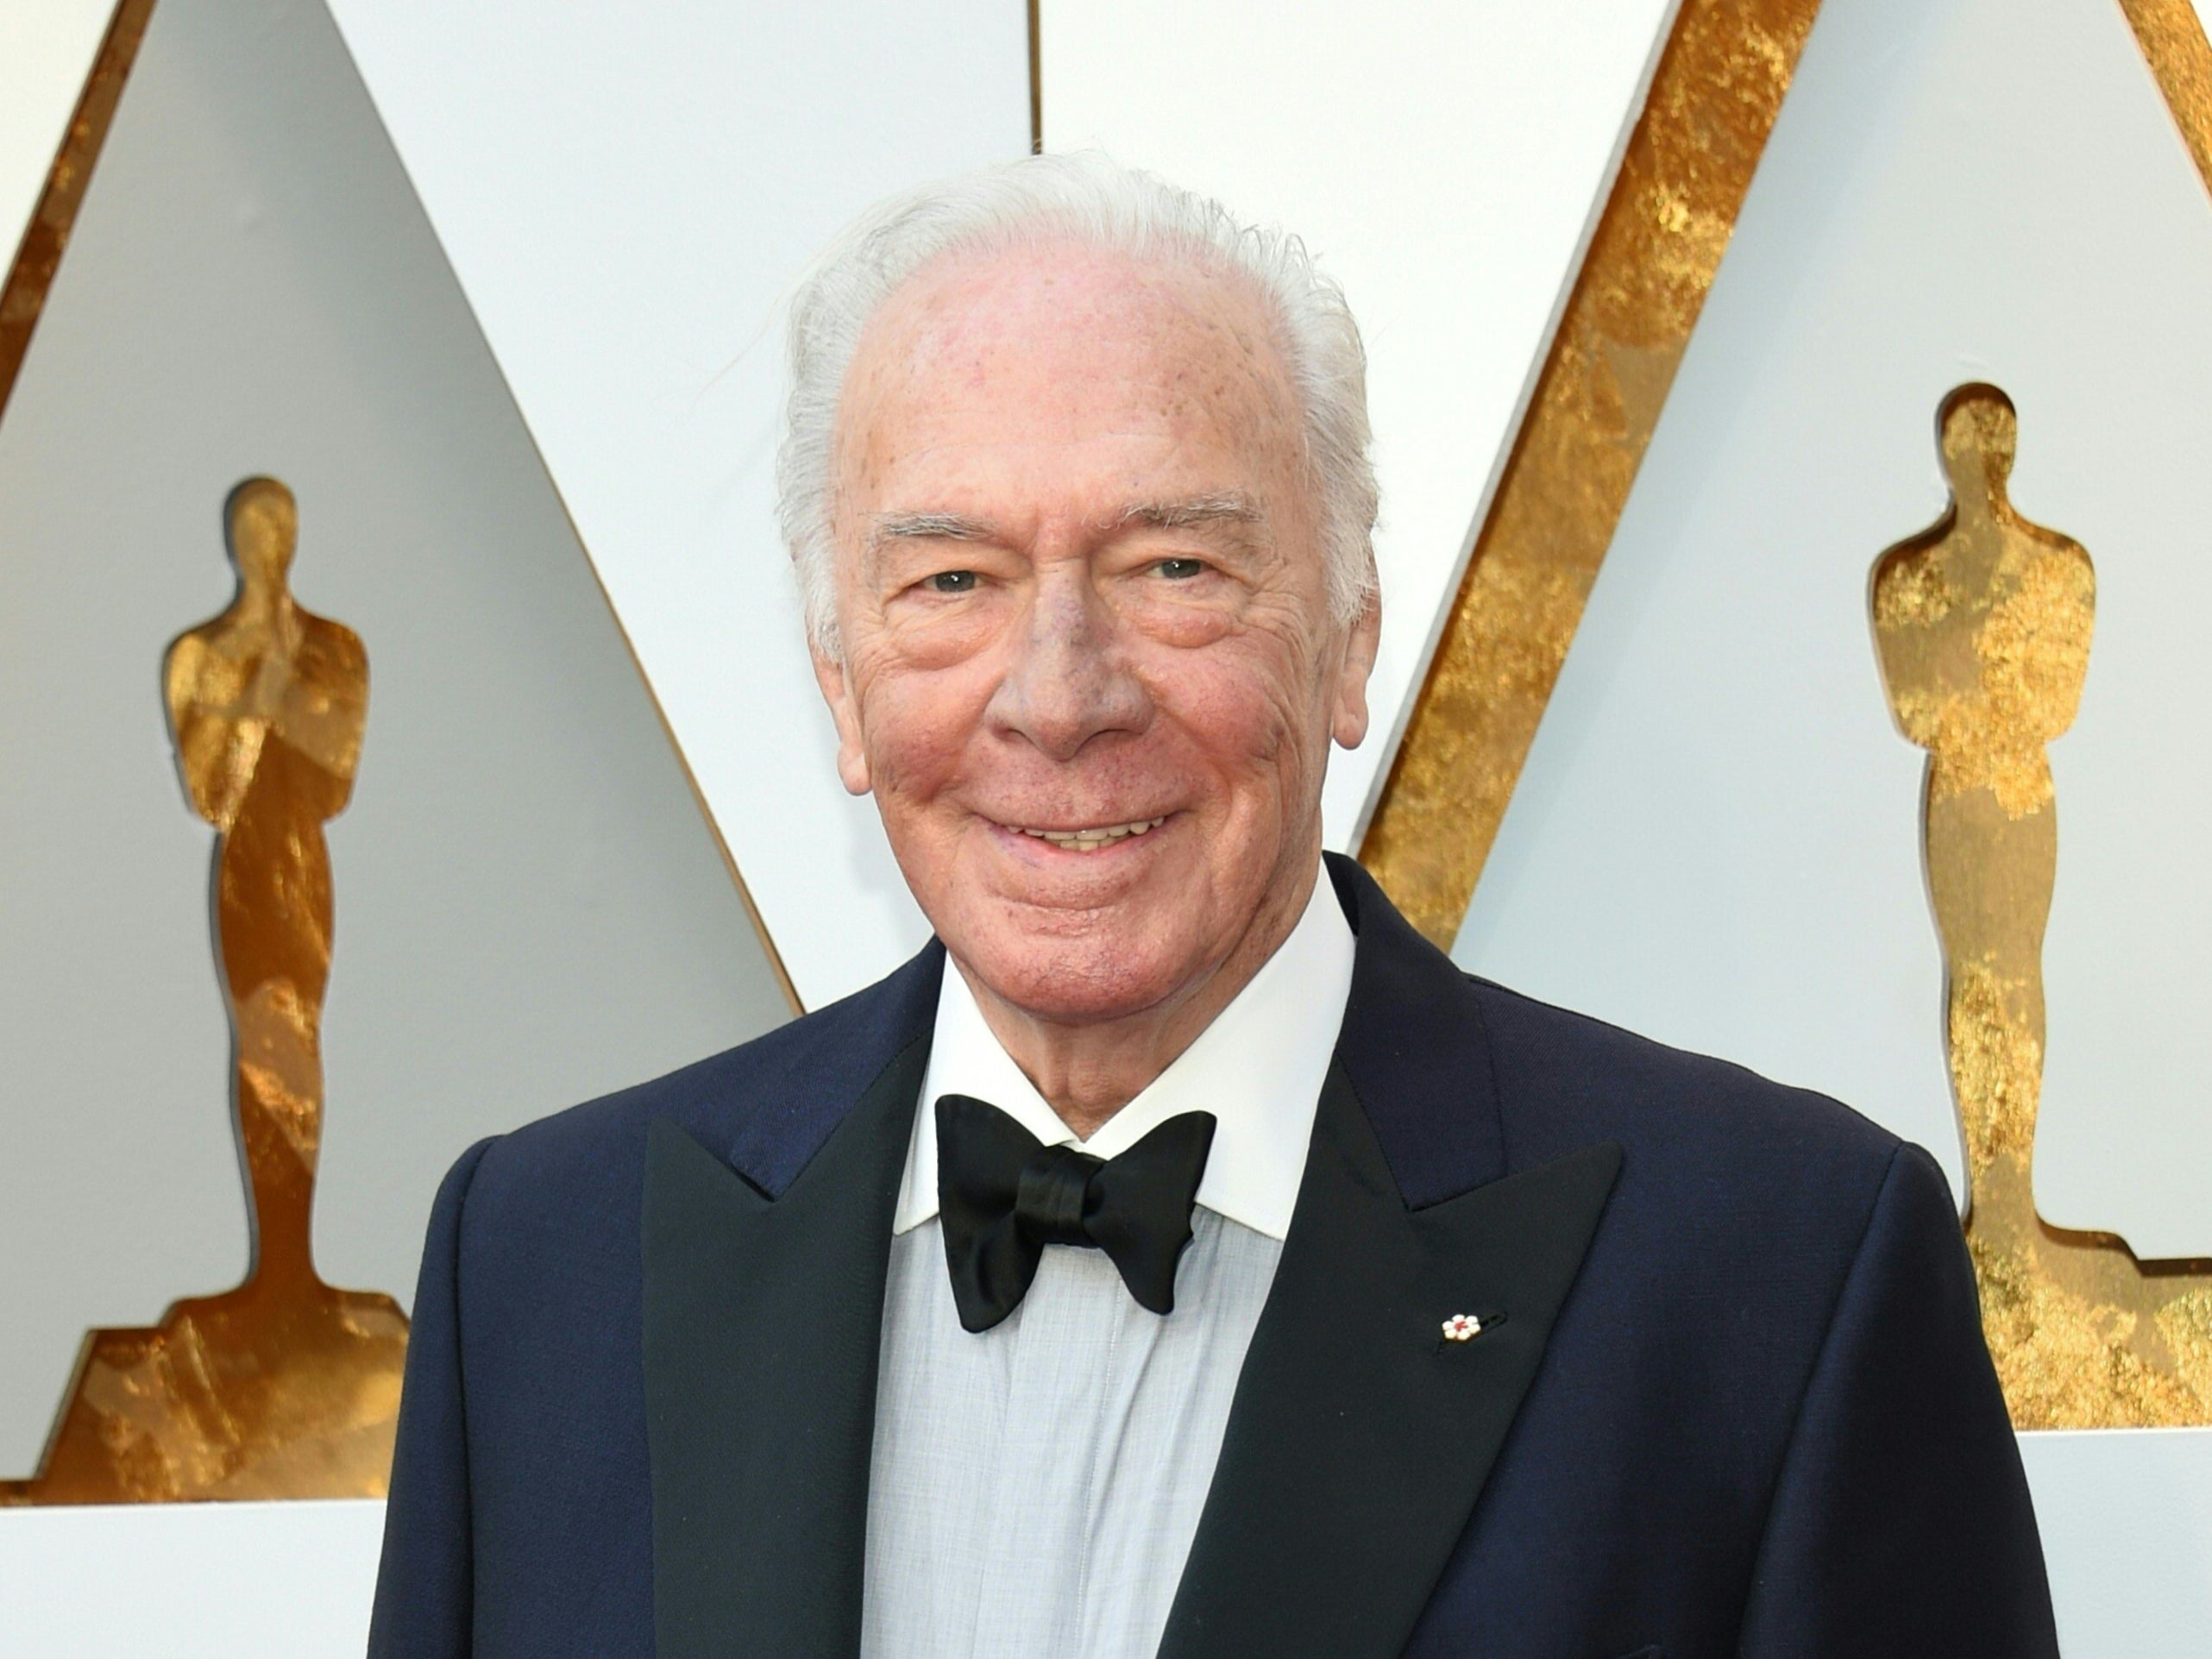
x,y
1069,680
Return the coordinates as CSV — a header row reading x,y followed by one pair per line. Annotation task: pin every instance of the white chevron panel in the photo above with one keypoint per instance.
x,y
1445,164
627,194
1715,838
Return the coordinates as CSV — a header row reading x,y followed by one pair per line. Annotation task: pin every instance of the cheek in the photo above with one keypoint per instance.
x,y
1243,715
915,727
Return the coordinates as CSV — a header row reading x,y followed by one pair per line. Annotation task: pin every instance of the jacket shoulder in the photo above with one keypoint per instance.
x,y
1565,1079
766,1104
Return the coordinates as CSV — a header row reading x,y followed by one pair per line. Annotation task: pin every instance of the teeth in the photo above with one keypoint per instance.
x,y
1089,840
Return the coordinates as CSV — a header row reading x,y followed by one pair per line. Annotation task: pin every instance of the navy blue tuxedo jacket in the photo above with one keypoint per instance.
x,y
1730,1397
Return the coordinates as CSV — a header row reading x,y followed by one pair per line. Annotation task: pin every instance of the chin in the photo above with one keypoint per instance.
x,y
1080,981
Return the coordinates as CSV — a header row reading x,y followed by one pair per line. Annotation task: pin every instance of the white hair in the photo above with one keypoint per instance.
x,y
1085,197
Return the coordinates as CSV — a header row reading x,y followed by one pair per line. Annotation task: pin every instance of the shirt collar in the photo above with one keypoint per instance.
x,y
1257,1068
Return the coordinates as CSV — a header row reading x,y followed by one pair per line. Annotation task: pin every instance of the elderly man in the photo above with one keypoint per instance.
x,y
1180,1255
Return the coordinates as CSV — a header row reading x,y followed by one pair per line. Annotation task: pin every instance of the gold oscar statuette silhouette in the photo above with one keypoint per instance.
x,y
283,1388
1983,625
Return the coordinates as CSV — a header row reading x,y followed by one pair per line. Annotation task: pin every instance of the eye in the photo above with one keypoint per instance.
x,y
953,581
1180,569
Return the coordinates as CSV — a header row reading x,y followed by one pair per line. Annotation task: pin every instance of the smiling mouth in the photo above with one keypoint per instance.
x,y
1089,840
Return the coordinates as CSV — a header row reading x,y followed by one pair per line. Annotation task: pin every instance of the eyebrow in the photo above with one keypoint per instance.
x,y
928,527
1231,507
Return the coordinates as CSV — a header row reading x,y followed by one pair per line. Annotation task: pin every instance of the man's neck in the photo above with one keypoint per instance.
x,y
1089,1072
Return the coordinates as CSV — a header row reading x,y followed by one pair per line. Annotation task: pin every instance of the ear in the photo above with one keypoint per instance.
x,y
1350,727
844,709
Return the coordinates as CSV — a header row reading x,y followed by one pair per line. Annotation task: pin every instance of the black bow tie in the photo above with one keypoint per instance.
x,y
1003,1195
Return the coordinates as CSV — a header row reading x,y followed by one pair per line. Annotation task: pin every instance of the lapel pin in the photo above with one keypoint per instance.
x,y
1462,1328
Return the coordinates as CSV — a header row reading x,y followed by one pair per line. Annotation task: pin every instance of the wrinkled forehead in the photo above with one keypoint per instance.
x,y
1065,346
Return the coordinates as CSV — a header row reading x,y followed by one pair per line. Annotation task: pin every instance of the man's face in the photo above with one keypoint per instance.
x,y
1081,593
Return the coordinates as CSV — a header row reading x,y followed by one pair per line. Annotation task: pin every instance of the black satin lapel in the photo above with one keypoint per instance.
x,y
762,1322
1359,1438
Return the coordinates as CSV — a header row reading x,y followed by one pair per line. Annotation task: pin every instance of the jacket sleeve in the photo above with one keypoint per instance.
x,y
424,1595
1901,1523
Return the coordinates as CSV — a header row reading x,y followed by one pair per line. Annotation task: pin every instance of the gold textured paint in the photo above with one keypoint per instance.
x,y
23,296
283,1388
1717,88
2172,35
2084,1335
287,1387
39,255
1036,81
1983,625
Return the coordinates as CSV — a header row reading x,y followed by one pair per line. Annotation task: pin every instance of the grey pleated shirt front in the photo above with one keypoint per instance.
x,y
1035,1488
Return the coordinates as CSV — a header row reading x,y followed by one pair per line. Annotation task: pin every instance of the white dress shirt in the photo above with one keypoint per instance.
x,y
1035,1487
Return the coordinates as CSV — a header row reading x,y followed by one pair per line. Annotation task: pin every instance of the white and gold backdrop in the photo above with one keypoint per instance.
x,y
1662,299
